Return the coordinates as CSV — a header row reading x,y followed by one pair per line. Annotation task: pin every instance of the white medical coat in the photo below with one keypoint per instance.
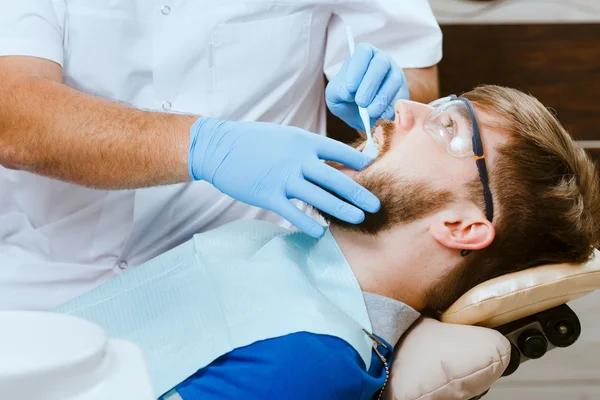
x,y
231,59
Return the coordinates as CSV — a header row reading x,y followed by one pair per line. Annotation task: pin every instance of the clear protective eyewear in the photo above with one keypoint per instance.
x,y
453,124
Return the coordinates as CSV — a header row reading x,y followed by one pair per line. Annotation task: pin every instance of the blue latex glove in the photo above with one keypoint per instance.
x,y
370,79
265,165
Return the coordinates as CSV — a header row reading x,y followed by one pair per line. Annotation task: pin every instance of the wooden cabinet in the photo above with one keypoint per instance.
x,y
557,63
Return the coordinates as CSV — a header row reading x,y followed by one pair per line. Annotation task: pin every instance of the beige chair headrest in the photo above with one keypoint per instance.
x,y
520,294
435,361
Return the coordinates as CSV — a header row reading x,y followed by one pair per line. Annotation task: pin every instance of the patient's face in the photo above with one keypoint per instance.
x,y
414,174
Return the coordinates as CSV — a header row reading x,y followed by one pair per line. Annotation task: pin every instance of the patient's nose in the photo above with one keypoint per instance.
x,y
409,114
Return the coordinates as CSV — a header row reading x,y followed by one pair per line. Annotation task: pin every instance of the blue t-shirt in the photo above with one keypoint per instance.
x,y
293,367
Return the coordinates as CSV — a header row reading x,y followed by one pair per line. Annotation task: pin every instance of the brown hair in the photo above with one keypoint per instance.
x,y
546,193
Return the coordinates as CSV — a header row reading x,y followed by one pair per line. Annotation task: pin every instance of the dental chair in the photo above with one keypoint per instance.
x,y
490,331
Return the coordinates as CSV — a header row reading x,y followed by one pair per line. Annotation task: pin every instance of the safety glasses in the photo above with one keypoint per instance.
x,y
452,123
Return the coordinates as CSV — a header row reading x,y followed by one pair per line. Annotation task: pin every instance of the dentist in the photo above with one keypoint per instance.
x,y
126,126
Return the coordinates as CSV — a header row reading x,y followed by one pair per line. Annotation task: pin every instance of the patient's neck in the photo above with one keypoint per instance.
x,y
391,264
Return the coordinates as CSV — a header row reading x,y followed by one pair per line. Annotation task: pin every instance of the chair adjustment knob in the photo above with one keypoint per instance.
x,y
563,332
561,325
532,343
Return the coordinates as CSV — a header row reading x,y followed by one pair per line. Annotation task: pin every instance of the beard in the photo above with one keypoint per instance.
x,y
402,200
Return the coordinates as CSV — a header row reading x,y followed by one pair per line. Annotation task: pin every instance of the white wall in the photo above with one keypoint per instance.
x,y
516,11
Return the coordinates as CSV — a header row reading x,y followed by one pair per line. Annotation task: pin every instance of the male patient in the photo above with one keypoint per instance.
x,y
252,311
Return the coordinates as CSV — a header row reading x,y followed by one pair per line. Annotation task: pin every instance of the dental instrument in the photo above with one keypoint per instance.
x,y
371,148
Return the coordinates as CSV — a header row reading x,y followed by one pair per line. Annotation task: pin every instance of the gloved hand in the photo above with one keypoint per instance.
x,y
265,165
371,79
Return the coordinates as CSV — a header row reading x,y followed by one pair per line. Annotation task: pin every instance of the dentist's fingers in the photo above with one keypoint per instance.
x,y
385,98
336,91
358,65
389,113
372,80
332,150
319,198
299,219
342,185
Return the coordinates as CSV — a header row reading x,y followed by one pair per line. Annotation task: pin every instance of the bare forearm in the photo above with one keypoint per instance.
x,y
423,84
50,129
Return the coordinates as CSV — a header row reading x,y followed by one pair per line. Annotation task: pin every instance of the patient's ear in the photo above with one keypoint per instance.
x,y
471,233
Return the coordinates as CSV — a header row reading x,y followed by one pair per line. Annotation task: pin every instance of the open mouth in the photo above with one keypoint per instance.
x,y
378,138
